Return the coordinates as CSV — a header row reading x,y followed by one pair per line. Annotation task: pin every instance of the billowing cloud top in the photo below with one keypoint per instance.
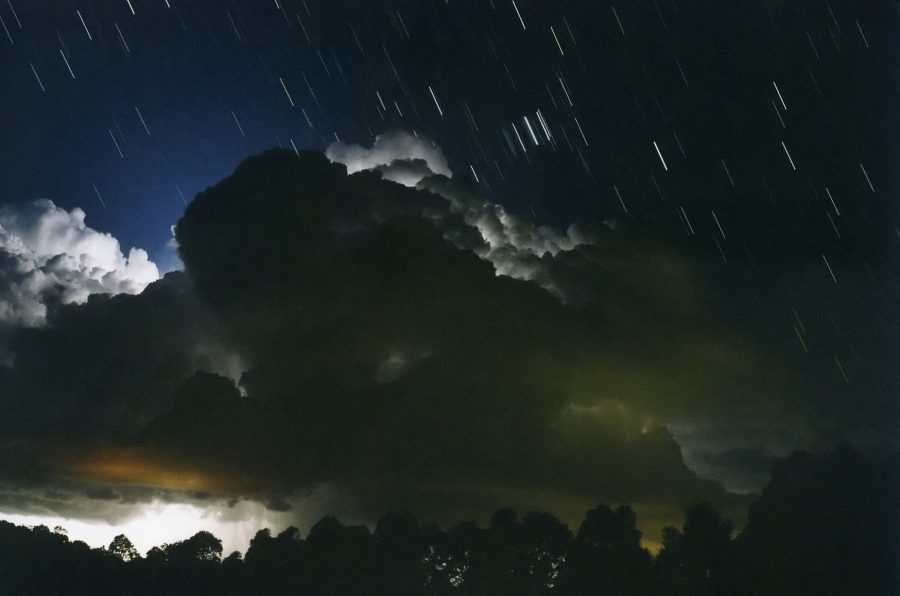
x,y
514,245
388,148
49,255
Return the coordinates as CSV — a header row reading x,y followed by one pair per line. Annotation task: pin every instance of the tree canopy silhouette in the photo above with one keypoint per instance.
x,y
122,548
822,526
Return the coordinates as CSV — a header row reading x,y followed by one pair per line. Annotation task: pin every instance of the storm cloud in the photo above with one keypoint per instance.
x,y
348,335
49,255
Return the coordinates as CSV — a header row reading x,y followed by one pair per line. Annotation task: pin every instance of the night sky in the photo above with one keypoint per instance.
x,y
632,252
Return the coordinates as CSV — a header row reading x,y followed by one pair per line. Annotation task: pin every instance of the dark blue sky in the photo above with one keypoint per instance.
x,y
609,80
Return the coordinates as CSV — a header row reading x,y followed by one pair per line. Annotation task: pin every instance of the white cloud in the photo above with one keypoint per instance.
x,y
504,233
48,254
390,146
512,244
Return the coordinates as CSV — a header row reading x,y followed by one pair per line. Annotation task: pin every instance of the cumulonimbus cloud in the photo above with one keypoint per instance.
x,y
378,356
382,350
49,255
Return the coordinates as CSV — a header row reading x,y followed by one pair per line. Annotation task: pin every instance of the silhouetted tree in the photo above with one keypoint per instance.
x,y
157,555
466,556
202,546
336,559
187,567
501,572
606,556
122,548
398,555
819,528
273,563
40,562
544,544
691,560
233,565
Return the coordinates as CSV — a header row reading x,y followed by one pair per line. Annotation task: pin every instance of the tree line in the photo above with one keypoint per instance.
x,y
826,526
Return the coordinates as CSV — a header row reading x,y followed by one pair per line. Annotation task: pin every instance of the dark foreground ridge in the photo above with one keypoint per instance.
x,y
825,526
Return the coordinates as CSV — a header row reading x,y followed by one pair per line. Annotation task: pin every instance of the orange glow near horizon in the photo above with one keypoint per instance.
x,y
153,523
135,467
